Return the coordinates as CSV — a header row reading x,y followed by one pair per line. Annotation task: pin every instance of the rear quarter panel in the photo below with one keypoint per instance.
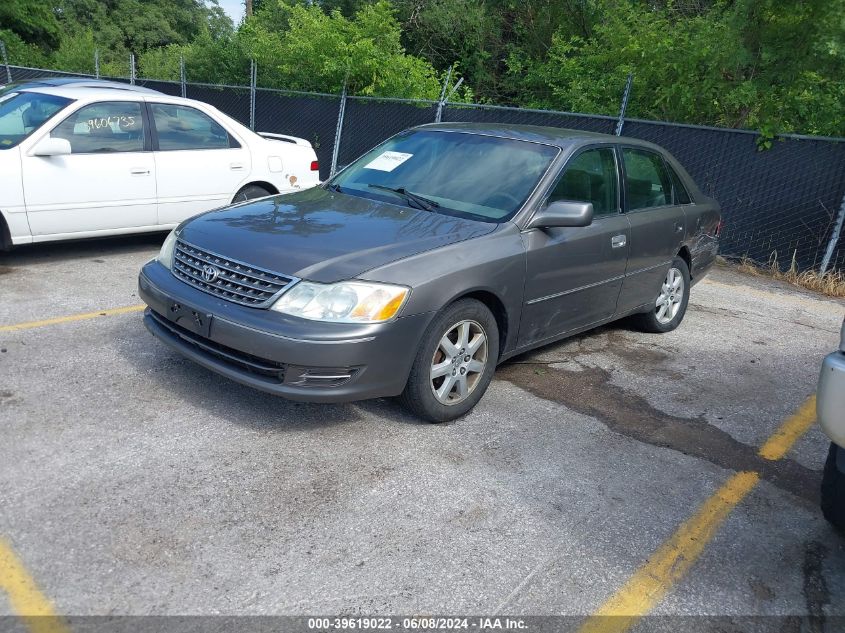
x,y
286,165
703,218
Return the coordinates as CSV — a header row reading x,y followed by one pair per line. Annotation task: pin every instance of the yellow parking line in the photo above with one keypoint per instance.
x,y
671,561
794,427
24,596
651,582
67,319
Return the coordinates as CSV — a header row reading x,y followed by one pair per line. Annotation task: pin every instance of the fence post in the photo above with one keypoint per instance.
x,y
6,61
132,68
97,63
440,102
182,75
834,239
624,107
338,131
453,91
253,80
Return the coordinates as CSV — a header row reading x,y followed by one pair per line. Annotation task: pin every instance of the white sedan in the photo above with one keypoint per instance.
x,y
87,158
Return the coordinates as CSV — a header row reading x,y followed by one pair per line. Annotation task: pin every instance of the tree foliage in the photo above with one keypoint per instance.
x,y
773,65
751,63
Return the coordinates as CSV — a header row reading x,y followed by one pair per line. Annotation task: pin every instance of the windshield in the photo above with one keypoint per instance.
x,y
21,113
471,175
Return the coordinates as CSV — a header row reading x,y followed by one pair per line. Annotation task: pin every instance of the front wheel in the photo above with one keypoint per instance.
x,y
833,488
670,306
454,363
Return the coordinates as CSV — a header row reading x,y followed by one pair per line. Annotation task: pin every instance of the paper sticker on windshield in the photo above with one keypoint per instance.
x,y
388,161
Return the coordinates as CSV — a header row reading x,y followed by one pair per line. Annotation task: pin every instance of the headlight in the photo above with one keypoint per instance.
x,y
344,302
165,255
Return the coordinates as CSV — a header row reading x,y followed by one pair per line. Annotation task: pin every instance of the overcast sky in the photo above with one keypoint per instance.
x,y
234,9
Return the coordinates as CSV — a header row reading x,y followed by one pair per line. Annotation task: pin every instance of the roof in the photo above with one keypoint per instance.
x,y
560,137
58,85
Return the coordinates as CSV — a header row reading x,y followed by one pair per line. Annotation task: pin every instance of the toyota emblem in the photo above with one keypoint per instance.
x,y
210,273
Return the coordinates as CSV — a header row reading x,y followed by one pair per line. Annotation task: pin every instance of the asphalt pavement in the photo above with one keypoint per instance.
x,y
135,482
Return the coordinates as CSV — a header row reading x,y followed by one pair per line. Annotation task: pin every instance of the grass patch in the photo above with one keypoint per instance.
x,y
832,283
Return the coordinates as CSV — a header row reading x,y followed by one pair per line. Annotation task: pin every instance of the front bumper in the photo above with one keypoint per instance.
x,y
294,358
830,398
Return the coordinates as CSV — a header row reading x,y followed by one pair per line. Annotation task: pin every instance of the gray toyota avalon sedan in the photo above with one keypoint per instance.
x,y
422,265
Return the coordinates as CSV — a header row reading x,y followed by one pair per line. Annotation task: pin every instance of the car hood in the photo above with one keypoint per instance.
x,y
322,235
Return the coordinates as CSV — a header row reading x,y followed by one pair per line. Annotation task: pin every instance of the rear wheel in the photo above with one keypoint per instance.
x,y
5,236
454,364
249,192
833,488
670,306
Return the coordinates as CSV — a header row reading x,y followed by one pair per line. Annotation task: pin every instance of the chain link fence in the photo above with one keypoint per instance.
x,y
785,202
311,116
368,121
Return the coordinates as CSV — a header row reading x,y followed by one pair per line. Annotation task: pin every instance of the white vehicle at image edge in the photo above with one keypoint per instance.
x,y
830,411
92,158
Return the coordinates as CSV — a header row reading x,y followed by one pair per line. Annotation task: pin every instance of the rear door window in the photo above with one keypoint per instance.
x,y
104,127
182,127
647,182
680,191
590,177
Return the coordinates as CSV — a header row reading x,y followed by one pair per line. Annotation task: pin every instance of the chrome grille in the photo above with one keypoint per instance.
x,y
235,281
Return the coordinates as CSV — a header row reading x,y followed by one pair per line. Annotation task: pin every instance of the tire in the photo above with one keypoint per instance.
x,y
464,316
653,321
250,192
833,490
5,236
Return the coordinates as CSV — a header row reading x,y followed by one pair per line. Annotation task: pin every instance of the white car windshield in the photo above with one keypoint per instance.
x,y
470,175
21,113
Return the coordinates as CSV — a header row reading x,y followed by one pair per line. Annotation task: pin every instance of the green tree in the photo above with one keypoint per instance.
x,y
22,53
32,21
317,51
207,59
749,63
120,26
774,65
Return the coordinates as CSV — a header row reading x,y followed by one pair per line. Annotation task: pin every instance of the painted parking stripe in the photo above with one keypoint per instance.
x,y
68,319
25,599
676,556
794,427
671,561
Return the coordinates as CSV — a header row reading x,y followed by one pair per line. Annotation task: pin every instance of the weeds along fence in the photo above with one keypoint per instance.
x,y
786,202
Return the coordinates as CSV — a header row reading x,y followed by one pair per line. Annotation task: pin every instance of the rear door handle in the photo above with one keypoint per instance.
x,y
236,166
618,241
139,171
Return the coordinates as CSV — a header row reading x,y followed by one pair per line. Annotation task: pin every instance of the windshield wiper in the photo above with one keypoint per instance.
x,y
334,187
421,202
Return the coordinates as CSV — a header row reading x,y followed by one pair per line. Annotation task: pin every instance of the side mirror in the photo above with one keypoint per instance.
x,y
52,147
563,213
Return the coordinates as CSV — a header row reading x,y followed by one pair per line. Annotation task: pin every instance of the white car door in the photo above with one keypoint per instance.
x,y
199,164
106,183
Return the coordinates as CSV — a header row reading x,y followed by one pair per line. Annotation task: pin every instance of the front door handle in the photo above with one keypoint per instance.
x,y
139,171
236,166
618,241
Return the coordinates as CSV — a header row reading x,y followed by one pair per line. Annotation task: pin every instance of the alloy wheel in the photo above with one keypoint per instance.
x,y
458,362
671,296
